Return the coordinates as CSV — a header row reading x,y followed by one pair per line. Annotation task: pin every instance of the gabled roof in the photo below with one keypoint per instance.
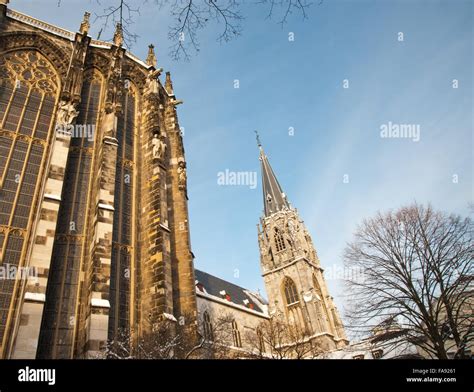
x,y
216,287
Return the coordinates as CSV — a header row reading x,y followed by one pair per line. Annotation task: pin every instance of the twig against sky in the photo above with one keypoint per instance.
x,y
190,17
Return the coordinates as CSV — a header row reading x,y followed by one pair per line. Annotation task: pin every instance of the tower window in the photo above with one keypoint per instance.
x,y
236,335
319,316
377,354
321,311
291,294
279,241
207,326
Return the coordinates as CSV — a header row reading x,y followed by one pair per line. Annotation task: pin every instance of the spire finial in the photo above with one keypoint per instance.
x,y
169,84
118,35
85,24
151,58
258,139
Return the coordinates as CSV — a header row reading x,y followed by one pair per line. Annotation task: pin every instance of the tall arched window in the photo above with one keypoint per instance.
x,y
294,309
122,258
279,240
75,204
207,327
236,334
291,294
29,90
321,312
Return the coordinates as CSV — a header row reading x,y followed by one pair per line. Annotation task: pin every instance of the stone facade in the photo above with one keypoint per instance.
x,y
89,201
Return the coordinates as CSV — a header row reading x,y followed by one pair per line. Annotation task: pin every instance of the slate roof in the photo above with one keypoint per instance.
x,y
214,285
274,198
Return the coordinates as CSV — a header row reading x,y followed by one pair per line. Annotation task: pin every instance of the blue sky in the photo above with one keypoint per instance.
x,y
299,84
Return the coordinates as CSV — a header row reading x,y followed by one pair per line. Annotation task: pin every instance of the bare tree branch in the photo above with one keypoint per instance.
x,y
191,17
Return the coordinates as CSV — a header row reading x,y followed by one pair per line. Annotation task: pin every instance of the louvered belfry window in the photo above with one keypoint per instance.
x,y
279,240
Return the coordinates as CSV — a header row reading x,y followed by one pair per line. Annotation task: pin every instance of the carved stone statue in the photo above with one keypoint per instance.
x,y
292,230
66,115
85,24
182,174
159,146
152,82
176,102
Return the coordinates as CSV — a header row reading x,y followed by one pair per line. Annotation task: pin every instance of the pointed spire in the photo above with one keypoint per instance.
x,y
151,58
274,199
118,35
169,84
85,24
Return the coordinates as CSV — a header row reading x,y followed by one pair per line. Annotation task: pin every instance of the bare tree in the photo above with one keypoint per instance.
x,y
190,17
171,340
416,268
276,339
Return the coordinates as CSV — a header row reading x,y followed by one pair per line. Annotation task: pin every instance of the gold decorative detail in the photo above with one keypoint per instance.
x,y
19,40
14,231
29,68
119,246
86,150
39,142
24,138
69,238
17,232
8,134
128,163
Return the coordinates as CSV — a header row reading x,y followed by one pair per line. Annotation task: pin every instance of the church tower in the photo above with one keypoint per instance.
x,y
294,280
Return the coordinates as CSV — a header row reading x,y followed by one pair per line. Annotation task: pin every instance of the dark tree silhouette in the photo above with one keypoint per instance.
x,y
190,17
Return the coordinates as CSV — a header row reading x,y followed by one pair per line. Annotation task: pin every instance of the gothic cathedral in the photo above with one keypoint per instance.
x,y
94,230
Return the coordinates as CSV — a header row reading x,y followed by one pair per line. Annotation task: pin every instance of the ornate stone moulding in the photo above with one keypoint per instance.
x,y
13,231
69,35
40,24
